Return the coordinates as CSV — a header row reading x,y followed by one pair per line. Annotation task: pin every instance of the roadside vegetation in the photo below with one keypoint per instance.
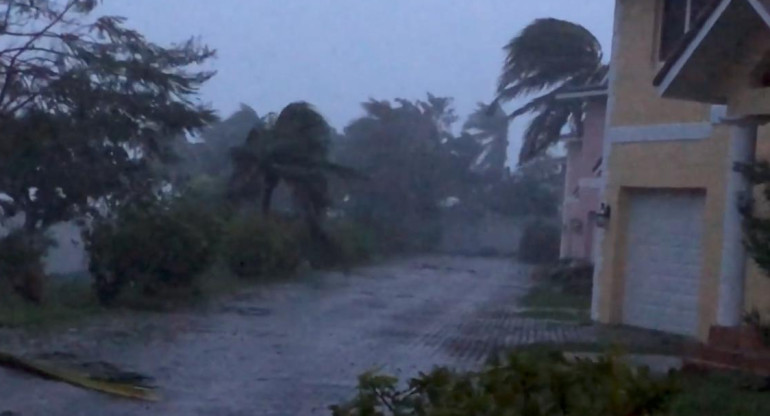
x,y
105,129
548,383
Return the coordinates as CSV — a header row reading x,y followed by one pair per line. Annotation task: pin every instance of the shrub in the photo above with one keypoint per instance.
x,y
21,263
568,275
524,384
256,246
539,243
755,320
355,242
160,244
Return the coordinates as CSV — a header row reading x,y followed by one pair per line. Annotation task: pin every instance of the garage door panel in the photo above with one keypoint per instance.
x,y
663,262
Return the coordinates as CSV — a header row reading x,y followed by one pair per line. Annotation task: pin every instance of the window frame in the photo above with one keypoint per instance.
x,y
689,20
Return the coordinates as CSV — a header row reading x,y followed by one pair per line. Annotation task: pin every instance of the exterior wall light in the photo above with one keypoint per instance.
x,y
603,216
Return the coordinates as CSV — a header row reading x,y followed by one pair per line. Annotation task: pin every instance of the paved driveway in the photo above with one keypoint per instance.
x,y
295,348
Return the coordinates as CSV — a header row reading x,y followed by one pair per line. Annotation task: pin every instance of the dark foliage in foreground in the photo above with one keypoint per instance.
x,y
521,384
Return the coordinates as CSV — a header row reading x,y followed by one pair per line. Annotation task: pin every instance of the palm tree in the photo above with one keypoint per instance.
x,y
292,148
549,55
488,127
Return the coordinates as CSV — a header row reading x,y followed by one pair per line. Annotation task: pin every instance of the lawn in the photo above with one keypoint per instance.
x,y
65,299
549,296
719,394
549,302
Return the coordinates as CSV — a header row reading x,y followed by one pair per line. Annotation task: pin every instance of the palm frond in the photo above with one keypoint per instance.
x,y
545,129
546,54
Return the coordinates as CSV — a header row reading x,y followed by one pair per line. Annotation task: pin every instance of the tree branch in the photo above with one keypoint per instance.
x,y
8,76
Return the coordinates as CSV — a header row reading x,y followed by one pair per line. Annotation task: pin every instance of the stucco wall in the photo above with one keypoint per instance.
x,y
581,199
635,54
686,164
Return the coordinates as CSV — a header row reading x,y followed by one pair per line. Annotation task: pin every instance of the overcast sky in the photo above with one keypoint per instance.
x,y
337,53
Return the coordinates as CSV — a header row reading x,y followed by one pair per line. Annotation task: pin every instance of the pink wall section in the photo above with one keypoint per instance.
x,y
581,193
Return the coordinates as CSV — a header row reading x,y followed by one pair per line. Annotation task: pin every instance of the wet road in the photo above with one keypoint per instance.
x,y
296,348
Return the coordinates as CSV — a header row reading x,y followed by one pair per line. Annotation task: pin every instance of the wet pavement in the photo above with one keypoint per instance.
x,y
296,348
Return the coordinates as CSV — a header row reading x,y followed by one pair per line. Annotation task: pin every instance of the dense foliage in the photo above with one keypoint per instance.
x,y
522,384
540,242
87,106
549,55
21,263
151,246
756,222
261,247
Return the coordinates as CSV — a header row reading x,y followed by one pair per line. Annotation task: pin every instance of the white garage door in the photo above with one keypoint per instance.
x,y
663,265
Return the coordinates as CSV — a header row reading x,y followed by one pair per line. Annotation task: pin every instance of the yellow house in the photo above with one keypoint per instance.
x,y
688,97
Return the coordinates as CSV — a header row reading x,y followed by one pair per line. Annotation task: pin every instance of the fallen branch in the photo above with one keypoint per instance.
x,y
78,379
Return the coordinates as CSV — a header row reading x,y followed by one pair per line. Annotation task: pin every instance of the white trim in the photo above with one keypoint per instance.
x,y
732,274
600,293
694,44
660,132
761,10
581,94
590,183
718,114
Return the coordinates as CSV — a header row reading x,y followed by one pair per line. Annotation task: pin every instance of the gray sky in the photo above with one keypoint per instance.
x,y
336,54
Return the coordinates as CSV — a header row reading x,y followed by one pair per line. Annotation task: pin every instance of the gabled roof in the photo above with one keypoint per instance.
x,y
719,12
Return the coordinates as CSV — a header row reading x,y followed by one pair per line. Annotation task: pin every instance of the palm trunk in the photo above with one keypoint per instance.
x,y
267,195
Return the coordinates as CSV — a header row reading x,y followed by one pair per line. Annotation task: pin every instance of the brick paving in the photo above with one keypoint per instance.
x,y
296,348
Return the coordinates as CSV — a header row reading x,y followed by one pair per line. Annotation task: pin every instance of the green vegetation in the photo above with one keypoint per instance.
x,y
549,55
719,394
540,243
522,383
546,296
151,246
67,299
259,247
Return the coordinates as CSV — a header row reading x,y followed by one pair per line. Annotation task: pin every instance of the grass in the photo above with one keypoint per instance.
x,y
720,394
549,296
65,300
71,298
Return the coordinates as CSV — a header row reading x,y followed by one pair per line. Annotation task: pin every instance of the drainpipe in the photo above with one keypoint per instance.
x,y
743,142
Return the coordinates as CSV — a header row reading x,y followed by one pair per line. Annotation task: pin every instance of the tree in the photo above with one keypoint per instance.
x,y
488,126
293,148
407,151
756,223
210,155
549,55
87,106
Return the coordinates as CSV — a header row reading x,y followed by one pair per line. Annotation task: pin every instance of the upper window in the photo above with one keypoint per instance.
x,y
678,17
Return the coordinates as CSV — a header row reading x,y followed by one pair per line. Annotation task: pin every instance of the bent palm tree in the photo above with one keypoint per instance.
x,y
293,148
549,55
488,127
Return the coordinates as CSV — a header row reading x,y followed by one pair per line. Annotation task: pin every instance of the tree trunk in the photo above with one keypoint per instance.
x,y
267,195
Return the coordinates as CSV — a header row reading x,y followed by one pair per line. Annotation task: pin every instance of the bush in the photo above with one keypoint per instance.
x,y
539,243
21,263
152,246
568,275
256,246
355,242
524,384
